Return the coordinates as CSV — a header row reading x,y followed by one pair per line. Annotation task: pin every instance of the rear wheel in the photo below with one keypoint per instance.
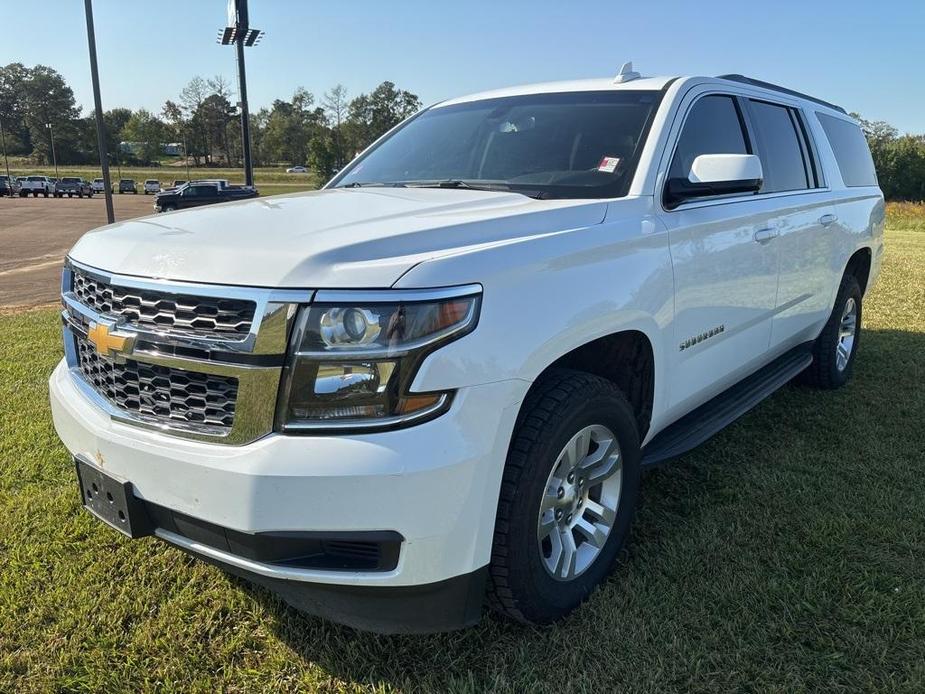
x,y
835,348
568,497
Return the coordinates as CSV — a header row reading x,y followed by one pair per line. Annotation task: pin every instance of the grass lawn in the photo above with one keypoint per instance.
x,y
786,554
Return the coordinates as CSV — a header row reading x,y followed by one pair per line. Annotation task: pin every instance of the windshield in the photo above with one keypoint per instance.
x,y
568,145
36,178
69,180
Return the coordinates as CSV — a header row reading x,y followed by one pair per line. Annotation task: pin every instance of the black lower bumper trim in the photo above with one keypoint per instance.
x,y
433,607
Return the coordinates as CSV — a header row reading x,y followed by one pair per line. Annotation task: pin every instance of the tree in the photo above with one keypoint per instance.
x,y
335,105
191,97
371,115
148,131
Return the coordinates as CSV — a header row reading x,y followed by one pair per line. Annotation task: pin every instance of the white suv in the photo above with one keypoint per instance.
x,y
439,378
152,185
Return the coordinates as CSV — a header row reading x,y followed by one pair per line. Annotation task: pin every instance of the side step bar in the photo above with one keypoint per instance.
x,y
707,420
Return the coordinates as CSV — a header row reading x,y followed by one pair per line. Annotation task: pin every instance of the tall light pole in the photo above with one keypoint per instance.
x,y
54,156
98,104
9,179
239,32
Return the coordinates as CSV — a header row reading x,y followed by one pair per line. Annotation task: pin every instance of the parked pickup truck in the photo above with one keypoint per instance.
x,y
200,193
36,185
9,185
438,380
72,186
98,185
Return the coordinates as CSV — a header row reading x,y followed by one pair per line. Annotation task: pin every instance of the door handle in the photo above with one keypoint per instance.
x,y
764,235
827,219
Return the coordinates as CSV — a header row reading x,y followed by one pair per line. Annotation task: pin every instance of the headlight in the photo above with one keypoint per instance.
x,y
354,355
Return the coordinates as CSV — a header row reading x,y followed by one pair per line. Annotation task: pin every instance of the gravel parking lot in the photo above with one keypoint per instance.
x,y
36,233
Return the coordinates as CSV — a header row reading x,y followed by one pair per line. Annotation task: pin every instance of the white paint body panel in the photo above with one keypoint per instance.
x,y
556,274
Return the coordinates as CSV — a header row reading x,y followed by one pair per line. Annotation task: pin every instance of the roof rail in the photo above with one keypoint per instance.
x,y
777,88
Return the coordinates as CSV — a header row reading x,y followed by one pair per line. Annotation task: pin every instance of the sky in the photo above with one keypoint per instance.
x,y
868,57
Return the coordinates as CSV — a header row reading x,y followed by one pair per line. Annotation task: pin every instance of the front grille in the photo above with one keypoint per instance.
x,y
160,393
179,314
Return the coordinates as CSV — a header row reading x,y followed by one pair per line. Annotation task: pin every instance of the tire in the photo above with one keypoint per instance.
x,y
835,349
561,408
24,194
80,194
168,208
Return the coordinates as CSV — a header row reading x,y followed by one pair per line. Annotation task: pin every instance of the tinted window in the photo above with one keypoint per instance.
x,y
201,191
568,145
712,127
779,147
851,151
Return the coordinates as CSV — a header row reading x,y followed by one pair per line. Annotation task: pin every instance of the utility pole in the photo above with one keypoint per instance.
x,y
54,157
238,32
98,104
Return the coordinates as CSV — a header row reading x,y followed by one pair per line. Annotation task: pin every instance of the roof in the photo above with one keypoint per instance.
x,y
641,84
591,85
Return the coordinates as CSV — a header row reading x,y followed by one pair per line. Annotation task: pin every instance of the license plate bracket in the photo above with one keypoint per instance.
x,y
112,500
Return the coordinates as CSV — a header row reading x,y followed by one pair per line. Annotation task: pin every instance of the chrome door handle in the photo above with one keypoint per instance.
x,y
763,235
827,219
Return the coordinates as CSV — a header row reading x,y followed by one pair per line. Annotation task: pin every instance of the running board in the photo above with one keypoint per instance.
x,y
707,420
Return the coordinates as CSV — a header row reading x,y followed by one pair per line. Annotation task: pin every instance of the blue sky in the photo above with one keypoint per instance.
x,y
868,57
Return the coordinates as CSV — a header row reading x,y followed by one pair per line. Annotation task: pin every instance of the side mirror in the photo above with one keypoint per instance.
x,y
716,174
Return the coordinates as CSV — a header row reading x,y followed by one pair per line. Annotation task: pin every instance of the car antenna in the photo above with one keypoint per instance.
x,y
626,74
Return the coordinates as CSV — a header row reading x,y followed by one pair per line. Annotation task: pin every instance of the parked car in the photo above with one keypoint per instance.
x,y
9,185
297,169
98,185
438,380
152,186
127,185
199,193
71,186
37,185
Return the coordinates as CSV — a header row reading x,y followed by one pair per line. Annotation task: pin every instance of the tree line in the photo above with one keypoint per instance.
x,y
323,134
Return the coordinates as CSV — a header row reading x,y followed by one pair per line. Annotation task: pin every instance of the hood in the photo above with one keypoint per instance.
x,y
343,238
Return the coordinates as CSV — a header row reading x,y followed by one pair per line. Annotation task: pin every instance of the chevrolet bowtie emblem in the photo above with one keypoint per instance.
x,y
108,340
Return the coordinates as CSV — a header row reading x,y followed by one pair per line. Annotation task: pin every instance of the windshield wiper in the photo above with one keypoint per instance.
x,y
371,184
460,184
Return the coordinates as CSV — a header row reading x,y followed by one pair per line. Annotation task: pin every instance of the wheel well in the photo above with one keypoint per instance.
x,y
624,358
859,266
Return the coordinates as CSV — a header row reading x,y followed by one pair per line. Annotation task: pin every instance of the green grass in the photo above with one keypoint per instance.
x,y
786,554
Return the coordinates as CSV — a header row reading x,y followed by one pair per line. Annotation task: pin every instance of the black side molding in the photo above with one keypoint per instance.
x,y
701,424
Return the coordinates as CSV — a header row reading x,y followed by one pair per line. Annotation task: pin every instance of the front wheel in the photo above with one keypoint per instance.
x,y
835,348
568,496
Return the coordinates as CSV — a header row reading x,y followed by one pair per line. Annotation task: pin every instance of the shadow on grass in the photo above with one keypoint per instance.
x,y
740,550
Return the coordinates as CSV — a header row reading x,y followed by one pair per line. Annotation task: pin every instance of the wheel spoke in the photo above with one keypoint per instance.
x,y
602,513
546,526
602,464
595,535
566,566
578,448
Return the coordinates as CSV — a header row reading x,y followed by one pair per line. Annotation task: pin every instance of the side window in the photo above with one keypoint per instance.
x,y
713,126
780,147
851,151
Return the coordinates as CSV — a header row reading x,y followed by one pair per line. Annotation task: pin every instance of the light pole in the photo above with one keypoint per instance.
x,y
97,101
53,155
9,179
239,32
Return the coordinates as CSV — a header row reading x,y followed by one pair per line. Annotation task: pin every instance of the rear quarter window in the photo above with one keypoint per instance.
x,y
851,151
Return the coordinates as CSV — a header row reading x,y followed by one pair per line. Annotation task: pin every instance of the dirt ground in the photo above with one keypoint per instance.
x,y
36,233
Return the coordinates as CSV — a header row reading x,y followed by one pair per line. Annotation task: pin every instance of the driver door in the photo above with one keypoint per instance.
x,y
725,263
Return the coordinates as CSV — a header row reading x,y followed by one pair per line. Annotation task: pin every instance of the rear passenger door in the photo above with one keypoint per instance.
x,y
724,258
804,220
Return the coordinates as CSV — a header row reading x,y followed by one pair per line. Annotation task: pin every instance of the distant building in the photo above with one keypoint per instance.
x,y
173,149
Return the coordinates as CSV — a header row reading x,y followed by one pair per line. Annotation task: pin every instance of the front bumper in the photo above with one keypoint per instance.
x,y
435,484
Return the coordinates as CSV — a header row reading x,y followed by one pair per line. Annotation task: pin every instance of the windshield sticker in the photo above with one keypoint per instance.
x,y
608,164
